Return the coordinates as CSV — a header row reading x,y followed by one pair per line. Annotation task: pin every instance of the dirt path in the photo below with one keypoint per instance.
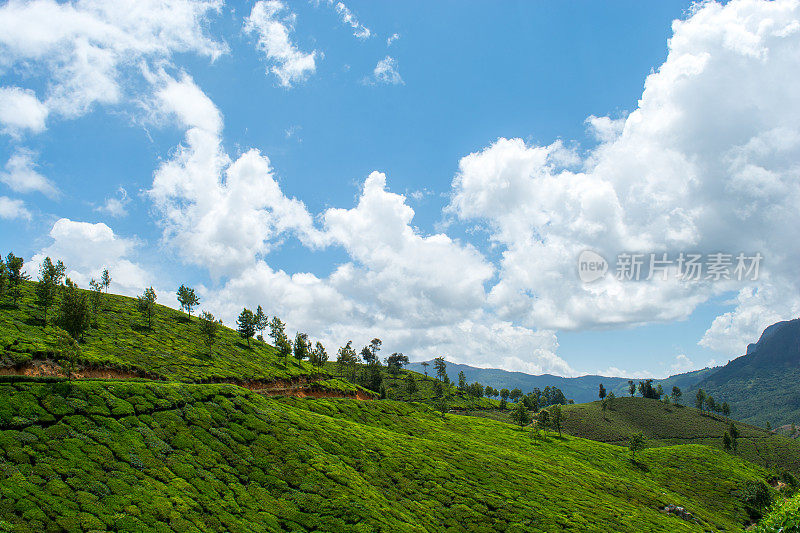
x,y
301,387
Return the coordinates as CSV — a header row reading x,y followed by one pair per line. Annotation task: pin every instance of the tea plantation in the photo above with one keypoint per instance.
x,y
154,456
172,349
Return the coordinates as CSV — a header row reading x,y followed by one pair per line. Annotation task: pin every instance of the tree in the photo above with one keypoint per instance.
x,y
105,279
734,432
647,390
475,390
187,298
543,420
262,321
602,392
15,275
557,418
631,387
146,303
74,315
97,294
3,276
504,394
319,356
726,441
411,383
425,366
515,395
246,325
726,409
374,348
462,381
395,362
302,346
711,404
50,276
700,399
208,329
676,395
440,365
69,351
277,331
520,415
635,444
346,360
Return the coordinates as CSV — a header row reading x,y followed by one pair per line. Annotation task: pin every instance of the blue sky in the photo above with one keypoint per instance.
x,y
459,79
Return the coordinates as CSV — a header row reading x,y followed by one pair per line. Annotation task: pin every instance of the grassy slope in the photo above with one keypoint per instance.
x,y
664,424
173,349
147,456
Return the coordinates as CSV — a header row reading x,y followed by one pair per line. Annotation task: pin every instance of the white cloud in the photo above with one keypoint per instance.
x,y
392,38
386,72
115,205
11,209
220,213
21,175
285,60
20,110
682,364
359,30
707,162
86,249
84,47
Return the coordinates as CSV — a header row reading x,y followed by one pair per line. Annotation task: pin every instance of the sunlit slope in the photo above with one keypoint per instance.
x,y
172,349
149,456
664,424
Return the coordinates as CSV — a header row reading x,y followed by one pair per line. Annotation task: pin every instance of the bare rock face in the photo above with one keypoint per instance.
x,y
680,512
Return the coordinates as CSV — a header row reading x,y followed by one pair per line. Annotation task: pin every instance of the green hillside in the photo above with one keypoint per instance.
x,y
784,517
666,425
120,340
150,456
763,386
663,425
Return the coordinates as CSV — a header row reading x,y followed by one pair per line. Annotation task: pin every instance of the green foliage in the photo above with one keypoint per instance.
x,y
15,276
209,328
246,325
520,415
50,277
146,303
74,314
783,517
146,456
665,425
635,444
176,350
187,298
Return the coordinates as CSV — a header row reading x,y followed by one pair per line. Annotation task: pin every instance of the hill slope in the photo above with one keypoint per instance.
x,y
149,456
764,384
664,425
120,340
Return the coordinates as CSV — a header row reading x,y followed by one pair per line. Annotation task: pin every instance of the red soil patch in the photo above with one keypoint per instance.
x,y
268,388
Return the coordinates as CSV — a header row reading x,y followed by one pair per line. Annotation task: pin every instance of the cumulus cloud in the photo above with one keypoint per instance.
x,y
11,209
217,212
283,58
386,72
707,162
20,110
21,175
86,249
84,47
392,38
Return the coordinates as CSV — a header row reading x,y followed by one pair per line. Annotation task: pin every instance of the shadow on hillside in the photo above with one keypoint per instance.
x,y
34,322
641,466
183,319
8,306
140,328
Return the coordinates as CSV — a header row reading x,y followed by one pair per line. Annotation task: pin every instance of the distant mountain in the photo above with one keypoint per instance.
x,y
764,384
581,389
